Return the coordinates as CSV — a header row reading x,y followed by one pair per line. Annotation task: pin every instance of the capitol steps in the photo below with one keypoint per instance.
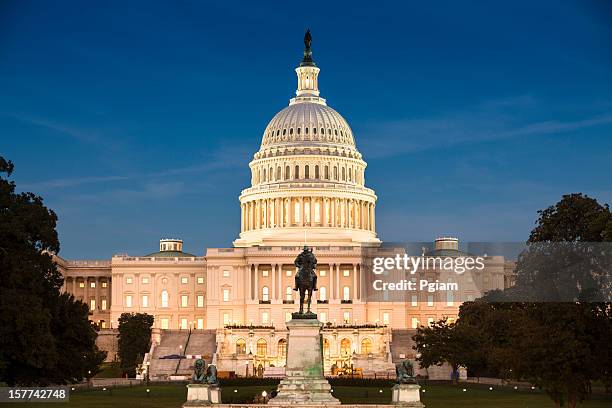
x,y
202,343
171,343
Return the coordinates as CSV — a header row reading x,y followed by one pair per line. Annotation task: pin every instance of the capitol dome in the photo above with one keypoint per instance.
x,y
308,178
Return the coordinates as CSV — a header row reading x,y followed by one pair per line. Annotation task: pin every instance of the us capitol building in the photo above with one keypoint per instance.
x,y
230,305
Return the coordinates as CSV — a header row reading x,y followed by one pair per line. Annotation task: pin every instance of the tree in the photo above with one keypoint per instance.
x,y
134,340
33,349
444,342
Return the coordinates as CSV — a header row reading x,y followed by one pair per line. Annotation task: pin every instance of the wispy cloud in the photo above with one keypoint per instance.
x,y
490,121
72,131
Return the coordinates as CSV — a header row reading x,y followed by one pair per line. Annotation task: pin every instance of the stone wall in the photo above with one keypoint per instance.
x,y
107,341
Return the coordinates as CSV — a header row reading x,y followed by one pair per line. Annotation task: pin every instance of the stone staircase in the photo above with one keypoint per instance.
x,y
171,340
402,344
201,342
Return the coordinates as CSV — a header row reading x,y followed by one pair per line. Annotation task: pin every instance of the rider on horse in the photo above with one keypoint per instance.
x,y
306,260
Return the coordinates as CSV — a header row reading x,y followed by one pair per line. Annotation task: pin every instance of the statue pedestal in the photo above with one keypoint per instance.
x,y
304,382
407,395
200,395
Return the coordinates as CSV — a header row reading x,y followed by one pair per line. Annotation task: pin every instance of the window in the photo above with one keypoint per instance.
x,y
103,304
92,304
323,316
184,280
145,280
288,273
413,301
200,300
430,321
345,347
226,318
226,295
226,274
385,317
265,317
240,347
322,293
282,348
288,293
265,293
429,300
104,284
296,212
346,317
366,346
81,284
200,280
184,300
200,324
346,293
92,284
164,298
346,273
288,316
145,301
165,324
265,273
450,298
262,348
128,281
415,323
103,324
128,300
184,324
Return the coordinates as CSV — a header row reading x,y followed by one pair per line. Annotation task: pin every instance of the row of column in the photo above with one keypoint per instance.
x,y
89,292
307,211
276,273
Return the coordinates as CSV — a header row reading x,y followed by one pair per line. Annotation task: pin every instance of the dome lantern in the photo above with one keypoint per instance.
x,y
308,77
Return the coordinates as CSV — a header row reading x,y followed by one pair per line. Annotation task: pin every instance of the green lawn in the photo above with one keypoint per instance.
x,y
435,396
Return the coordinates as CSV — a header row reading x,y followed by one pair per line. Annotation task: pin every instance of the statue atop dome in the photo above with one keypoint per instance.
x,y
307,60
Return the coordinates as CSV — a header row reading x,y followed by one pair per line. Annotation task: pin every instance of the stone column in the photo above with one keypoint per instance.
x,y
354,294
256,291
273,268
332,268
301,223
86,291
312,211
338,281
97,280
74,286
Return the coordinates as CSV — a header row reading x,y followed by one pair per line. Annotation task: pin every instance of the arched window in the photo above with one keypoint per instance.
x,y
350,174
366,346
316,175
265,293
240,346
164,298
282,348
296,212
326,173
326,347
262,348
278,173
307,211
343,174
317,211
299,129
296,173
307,172
322,131
289,293
346,293
264,175
335,173
323,293
345,347
287,172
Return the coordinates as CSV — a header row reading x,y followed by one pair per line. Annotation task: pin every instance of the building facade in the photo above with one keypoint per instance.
x,y
308,185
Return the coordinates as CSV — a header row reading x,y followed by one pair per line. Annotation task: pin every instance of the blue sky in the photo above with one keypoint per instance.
x,y
136,120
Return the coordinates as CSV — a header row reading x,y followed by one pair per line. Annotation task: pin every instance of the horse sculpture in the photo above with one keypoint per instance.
x,y
306,278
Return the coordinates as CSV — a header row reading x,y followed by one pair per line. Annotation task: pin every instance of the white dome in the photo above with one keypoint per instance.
x,y
307,123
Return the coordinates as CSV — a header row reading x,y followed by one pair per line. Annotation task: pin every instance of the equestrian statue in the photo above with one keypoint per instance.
x,y
306,278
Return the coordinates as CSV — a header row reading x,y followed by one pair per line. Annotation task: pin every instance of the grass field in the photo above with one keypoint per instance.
x,y
435,396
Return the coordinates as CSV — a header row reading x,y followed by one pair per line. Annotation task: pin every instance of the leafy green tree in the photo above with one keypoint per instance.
x,y
134,340
33,348
444,342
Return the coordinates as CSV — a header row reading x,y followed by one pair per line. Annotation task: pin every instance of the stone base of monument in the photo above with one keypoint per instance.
x,y
304,383
407,395
200,395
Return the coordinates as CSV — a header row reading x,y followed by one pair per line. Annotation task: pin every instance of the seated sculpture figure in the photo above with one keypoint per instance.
x,y
199,372
404,372
211,375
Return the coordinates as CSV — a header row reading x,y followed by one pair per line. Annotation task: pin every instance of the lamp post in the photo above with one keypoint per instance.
x,y
147,373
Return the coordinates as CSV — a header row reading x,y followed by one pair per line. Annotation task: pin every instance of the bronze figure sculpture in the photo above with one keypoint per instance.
x,y
203,374
306,278
404,372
